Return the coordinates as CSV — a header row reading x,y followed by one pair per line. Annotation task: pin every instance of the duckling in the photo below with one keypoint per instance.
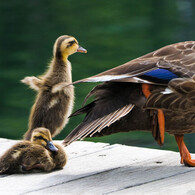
x,y
54,102
38,153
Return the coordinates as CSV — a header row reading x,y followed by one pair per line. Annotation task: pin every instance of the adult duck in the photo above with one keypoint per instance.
x,y
122,102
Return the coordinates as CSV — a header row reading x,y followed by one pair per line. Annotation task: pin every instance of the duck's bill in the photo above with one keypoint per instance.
x,y
81,50
50,146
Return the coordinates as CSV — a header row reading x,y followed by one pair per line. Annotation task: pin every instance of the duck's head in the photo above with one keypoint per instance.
x,y
42,137
66,45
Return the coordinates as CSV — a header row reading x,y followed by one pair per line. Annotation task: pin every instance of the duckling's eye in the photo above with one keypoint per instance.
x,y
71,43
38,137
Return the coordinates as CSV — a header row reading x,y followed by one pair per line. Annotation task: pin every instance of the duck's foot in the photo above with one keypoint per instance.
x,y
158,132
184,153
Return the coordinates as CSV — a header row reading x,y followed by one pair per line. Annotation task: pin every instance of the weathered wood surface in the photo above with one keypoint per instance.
x,y
98,168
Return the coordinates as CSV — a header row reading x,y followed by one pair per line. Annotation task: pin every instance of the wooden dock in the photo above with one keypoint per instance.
x,y
99,168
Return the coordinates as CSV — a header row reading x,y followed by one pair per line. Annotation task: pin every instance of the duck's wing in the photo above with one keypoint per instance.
x,y
113,100
151,65
179,96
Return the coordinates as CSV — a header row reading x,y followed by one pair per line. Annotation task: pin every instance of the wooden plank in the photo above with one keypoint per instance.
x,y
5,144
97,168
121,176
176,184
39,180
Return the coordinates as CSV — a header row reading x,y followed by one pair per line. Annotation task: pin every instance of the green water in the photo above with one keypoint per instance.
x,y
113,32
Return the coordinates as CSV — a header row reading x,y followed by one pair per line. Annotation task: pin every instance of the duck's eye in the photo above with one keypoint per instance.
x,y
38,137
71,43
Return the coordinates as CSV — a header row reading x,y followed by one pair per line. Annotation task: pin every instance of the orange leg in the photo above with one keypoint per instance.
x,y
161,124
146,90
184,153
161,117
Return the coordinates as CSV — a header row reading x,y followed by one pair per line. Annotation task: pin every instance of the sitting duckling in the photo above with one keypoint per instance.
x,y
39,153
54,102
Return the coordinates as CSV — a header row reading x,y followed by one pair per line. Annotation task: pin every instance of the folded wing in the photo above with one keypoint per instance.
x,y
143,69
179,96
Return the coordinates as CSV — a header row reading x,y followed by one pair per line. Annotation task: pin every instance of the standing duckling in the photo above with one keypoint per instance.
x,y
39,153
54,102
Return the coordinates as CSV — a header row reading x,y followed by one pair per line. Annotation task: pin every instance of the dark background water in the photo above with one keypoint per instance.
x,y
113,32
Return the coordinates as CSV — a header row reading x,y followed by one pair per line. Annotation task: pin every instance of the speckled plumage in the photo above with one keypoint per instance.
x,y
26,156
54,103
122,88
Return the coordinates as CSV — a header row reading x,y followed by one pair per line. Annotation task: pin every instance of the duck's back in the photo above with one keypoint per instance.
x,y
51,110
13,159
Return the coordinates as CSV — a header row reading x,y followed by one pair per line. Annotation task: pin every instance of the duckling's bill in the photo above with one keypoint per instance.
x,y
81,50
50,146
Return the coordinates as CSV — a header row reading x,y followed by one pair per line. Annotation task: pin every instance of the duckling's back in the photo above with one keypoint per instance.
x,y
19,156
26,156
10,161
51,111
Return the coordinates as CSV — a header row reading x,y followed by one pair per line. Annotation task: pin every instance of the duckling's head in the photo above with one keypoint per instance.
x,y
66,45
42,137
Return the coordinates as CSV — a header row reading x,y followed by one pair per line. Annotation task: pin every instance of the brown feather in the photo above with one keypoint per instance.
x,y
178,54
120,91
182,97
25,156
97,125
54,102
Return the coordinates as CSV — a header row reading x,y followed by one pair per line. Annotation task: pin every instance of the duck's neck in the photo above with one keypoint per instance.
x,y
59,71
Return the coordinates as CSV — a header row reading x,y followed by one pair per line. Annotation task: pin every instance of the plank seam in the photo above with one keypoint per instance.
x,y
36,190
152,181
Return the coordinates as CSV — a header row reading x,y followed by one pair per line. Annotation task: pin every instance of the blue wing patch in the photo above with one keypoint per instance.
x,y
161,74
